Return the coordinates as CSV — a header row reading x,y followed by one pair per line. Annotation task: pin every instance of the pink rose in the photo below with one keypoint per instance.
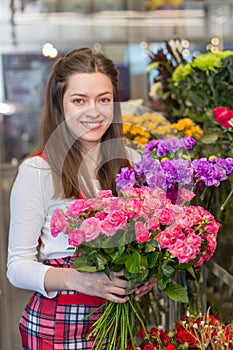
x,y
150,204
101,215
223,115
193,239
212,228
113,222
93,204
91,228
153,224
132,208
113,204
58,223
185,222
169,236
104,194
141,232
211,244
186,195
183,251
164,239
79,206
76,237
166,216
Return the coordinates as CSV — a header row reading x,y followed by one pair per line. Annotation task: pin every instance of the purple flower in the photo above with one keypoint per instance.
x,y
149,147
170,171
188,143
125,178
211,174
184,171
178,170
172,193
149,172
168,145
227,164
162,149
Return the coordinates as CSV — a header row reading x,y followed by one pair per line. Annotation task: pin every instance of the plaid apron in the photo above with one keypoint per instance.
x,y
57,324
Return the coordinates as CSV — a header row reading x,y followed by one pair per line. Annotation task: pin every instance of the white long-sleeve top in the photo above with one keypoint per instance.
x,y
31,207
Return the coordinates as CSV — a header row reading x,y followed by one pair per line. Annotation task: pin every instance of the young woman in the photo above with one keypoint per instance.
x,y
81,150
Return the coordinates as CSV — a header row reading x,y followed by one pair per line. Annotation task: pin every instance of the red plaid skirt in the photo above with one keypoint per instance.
x,y
58,324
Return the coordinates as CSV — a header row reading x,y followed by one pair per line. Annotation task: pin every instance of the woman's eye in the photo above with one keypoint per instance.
x,y
78,101
105,100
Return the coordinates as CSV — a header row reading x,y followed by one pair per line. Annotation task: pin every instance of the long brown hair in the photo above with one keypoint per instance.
x,y
58,144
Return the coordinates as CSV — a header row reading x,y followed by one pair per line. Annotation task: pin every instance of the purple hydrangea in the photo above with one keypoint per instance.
x,y
125,178
150,146
208,172
188,143
163,147
177,170
226,163
149,172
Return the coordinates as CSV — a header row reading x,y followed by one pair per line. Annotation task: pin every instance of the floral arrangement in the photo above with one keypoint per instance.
x,y
148,126
145,235
145,127
163,63
187,127
193,89
191,332
168,164
223,116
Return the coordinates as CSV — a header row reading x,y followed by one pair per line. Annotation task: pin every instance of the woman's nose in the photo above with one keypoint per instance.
x,y
93,110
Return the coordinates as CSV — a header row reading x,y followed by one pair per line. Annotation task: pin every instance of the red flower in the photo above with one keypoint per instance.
x,y
149,347
170,347
141,334
154,332
222,116
184,336
164,337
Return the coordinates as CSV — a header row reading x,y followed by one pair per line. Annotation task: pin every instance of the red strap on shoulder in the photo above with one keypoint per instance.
x,y
41,154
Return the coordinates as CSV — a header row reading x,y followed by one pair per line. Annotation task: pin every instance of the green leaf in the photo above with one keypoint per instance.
x,y
153,258
176,292
168,270
162,283
100,262
120,259
133,262
191,271
149,248
208,139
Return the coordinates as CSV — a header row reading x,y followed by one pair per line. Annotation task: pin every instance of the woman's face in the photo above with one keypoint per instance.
x,y
88,106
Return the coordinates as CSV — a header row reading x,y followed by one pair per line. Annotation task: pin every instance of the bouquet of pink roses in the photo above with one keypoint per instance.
x,y
142,233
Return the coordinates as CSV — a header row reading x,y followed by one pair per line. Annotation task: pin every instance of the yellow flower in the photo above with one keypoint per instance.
x,y
146,127
188,128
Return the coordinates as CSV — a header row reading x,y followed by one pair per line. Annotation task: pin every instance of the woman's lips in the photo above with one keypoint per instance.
x,y
92,125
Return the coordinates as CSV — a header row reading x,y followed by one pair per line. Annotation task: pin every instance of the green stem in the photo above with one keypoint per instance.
x,y
129,327
102,332
226,201
102,320
140,319
96,310
113,338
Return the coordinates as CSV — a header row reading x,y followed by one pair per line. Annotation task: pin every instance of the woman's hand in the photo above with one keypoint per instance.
x,y
98,284
143,289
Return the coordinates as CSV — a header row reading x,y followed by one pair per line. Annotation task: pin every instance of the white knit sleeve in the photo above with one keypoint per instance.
x,y
27,216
